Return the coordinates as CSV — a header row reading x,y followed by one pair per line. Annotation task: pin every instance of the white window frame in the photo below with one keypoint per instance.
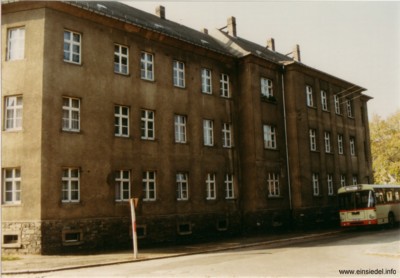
x,y
147,125
16,44
340,143
266,87
273,185
180,129
330,184
269,132
324,100
206,81
121,59
122,185
72,47
227,135
355,180
68,182
352,144
313,139
149,183
342,180
309,95
229,187
179,74
327,139
337,104
349,108
147,66
121,121
13,113
12,186
182,185
315,183
211,187
208,132
71,114
224,87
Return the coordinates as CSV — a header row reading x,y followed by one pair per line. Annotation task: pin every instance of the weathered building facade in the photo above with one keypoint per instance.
x,y
214,134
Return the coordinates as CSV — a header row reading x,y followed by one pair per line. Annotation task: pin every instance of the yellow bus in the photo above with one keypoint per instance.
x,y
369,204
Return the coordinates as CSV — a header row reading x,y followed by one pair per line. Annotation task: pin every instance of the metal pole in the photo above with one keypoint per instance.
x,y
134,235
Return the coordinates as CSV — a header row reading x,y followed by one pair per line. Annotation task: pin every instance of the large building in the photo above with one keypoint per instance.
x,y
215,135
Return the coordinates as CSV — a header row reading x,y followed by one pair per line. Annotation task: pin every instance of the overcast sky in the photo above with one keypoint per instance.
x,y
356,41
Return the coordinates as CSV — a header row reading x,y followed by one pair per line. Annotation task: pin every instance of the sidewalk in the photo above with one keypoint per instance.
x,y
45,263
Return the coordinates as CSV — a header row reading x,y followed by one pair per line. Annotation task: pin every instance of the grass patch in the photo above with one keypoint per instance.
x,y
9,258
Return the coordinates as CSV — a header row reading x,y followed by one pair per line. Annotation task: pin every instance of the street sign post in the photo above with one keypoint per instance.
x,y
133,203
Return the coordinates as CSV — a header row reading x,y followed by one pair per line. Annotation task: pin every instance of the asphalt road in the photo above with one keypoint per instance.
x,y
370,252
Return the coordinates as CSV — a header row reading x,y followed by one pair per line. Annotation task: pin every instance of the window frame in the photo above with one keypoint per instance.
x,y
147,66
337,104
120,67
224,87
327,140
269,134
16,183
329,180
208,132
352,145
71,110
149,185
309,96
119,117
16,45
211,186
349,106
182,184
229,187
313,139
340,144
180,126
147,125
72,43
17,113
227,135
179,74
267,87
206,81
324,100
315,184
342,180
69,179
273,185
121,181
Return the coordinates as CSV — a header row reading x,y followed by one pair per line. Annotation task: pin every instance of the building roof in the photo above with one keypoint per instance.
x,y
131,15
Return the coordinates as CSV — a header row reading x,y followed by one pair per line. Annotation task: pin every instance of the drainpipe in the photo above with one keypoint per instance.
x,y
286,140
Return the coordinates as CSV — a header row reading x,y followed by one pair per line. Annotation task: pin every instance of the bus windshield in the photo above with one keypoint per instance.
x,y
356,200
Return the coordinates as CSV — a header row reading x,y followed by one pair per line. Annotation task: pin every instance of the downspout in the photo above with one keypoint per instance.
x,y
286,140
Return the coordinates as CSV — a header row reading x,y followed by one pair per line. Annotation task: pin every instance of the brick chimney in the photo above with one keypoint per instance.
x,y
271,44
232,26
160,12
204,30
296,53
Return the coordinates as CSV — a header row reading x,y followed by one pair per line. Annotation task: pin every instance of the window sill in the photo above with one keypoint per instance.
x,y
122,74
272,197
10,205
269,100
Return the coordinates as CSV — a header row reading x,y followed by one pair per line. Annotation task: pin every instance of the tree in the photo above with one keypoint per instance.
x,y
385,148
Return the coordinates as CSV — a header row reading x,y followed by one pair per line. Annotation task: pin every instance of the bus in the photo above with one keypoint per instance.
x,y
369,204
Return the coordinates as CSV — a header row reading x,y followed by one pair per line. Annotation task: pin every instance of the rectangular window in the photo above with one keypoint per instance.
x,y
229,188
355,180
273,185
206,81
315,182
147,125
16,44
179,74
337,104
70,185
340,143
182,186
266,87
342,180
13,113
121,58
324,100
72,47
211,187
121,121
349,108
208,132
309,94
330,184
227,135
327,138
71,114
269,137
180,129
146,66
224,85
122,185
352,146
313,139
12,186
149,186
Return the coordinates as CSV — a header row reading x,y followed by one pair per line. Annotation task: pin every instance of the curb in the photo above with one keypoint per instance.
x,y
187,253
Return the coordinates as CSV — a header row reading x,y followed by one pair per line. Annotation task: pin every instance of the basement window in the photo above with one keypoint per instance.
x,y
222,225
185,228
11,240
72,237
141,231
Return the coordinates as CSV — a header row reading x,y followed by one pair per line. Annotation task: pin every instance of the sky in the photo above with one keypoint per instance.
x,y
356,41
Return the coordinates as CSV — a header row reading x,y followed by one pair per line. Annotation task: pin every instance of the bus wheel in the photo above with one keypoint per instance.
x,y
391,220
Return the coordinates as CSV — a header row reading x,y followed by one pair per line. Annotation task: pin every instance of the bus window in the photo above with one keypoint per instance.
x,y
379,197
396,195
389,196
